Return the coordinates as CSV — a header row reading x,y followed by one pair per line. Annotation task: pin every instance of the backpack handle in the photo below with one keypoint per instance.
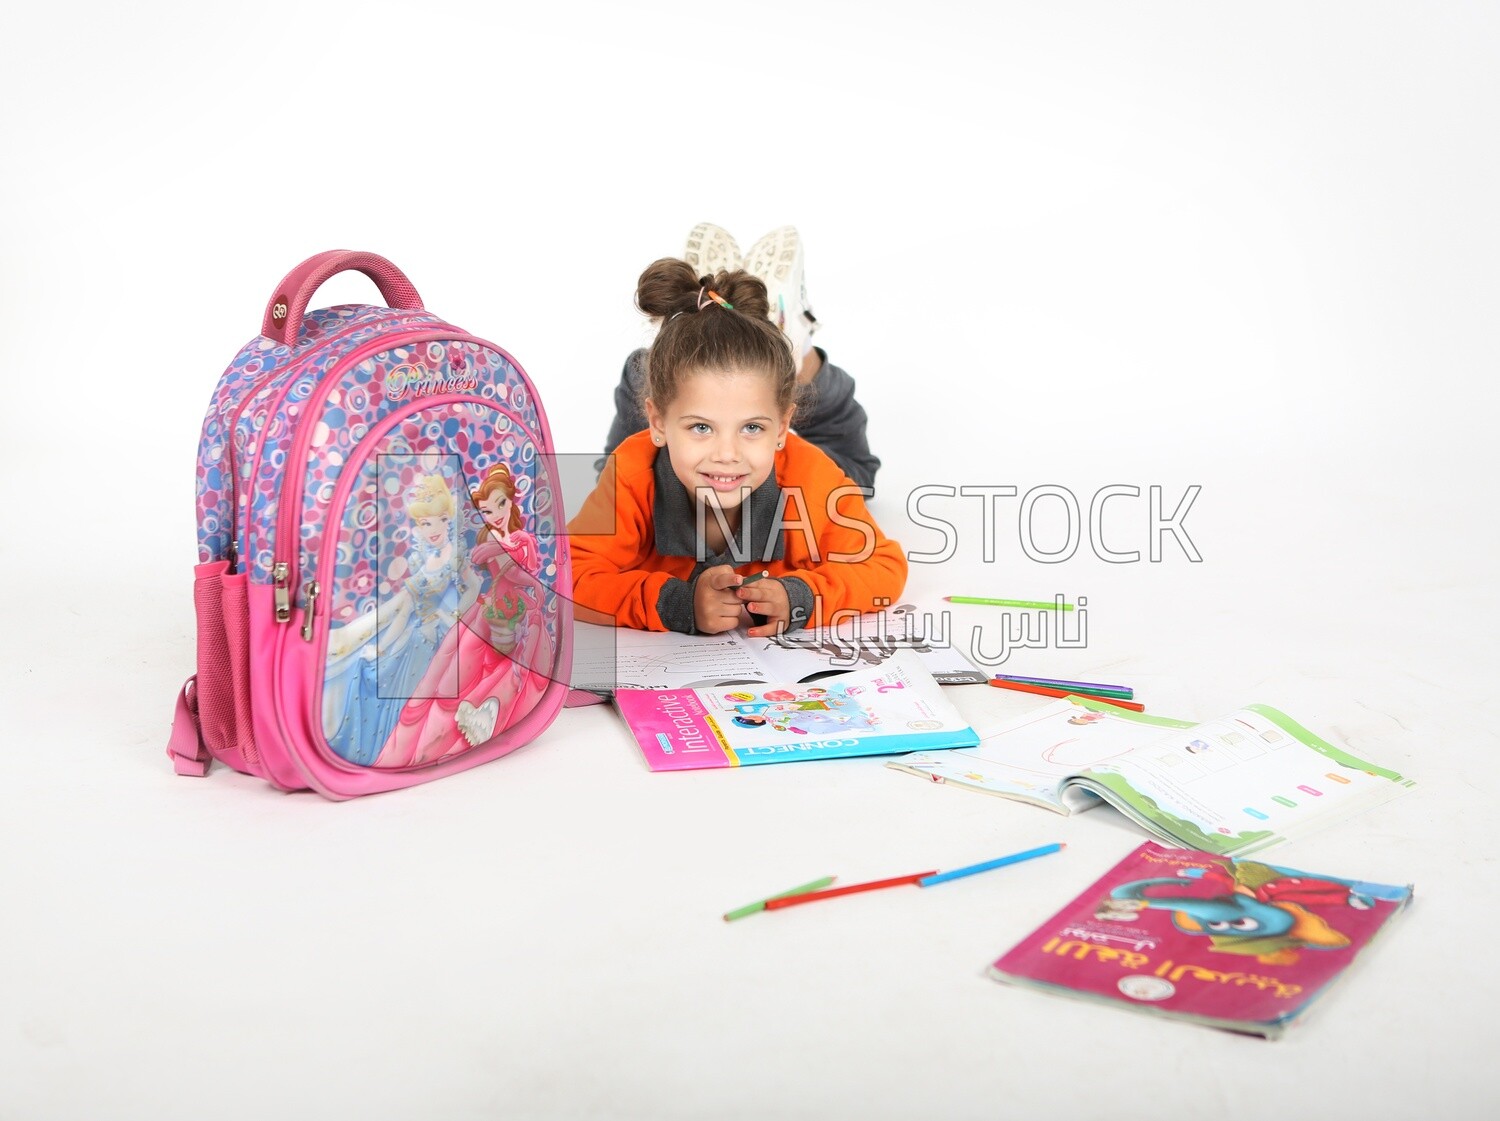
x,y
282,322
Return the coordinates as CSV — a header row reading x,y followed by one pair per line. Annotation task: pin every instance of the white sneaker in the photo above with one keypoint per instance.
x,y
777,260
710,249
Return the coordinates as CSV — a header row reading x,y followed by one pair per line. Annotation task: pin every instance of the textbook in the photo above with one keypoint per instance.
x,y
895,706
610,658
1232,786
1233,944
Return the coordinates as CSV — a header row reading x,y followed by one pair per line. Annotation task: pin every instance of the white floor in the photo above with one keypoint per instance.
x,y
1251,252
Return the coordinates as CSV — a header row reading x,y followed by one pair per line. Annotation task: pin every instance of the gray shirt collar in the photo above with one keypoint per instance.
x,y
676,517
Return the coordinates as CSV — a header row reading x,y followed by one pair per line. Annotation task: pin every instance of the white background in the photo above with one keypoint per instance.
x,y
1247,247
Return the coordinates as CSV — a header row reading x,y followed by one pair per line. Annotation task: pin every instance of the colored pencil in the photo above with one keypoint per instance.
x,y
1063,683
760,904
1029,604
1001,862
754,577
1043,691
847,889
1097,694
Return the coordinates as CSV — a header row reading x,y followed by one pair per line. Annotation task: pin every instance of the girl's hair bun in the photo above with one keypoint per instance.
x,y
745,291
666,287
669,286
699,334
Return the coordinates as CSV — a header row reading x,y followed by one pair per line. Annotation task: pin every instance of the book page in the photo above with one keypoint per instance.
x,y
606,658
863,641
1029,757
1240,783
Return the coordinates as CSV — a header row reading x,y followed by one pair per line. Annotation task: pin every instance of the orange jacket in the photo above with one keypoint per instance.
x,y
799,524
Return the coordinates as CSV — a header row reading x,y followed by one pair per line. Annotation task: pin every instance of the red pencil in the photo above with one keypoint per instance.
x,y
1042,690
847,889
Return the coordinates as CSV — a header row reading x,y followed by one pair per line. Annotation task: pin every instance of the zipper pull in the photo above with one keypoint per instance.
x,y
307,612
280,574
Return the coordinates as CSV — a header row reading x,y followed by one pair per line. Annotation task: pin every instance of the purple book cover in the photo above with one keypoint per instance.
x,y
1179,933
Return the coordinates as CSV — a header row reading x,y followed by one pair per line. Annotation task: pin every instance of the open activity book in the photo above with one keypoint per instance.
x,y
895,706
1230,786
610,658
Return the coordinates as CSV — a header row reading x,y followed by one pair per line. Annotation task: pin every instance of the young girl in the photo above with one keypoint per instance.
x,y
718,488
828,413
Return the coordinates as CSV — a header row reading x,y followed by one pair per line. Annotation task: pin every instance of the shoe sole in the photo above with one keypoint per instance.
x,y
774,256
710,250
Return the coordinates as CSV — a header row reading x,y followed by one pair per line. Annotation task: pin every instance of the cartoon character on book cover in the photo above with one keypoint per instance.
x,y
827,714
1245,907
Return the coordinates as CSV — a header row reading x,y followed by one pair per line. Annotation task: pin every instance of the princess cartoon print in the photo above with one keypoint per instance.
x,y
376,660
498,660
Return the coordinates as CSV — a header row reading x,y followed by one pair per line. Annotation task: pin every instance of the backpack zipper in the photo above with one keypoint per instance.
x,y
234,419
311,609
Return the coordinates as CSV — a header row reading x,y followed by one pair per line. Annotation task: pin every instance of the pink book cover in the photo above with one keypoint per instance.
x,y
672,728
1234,944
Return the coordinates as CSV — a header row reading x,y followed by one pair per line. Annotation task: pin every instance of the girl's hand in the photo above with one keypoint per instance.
x,y
768,599
716,607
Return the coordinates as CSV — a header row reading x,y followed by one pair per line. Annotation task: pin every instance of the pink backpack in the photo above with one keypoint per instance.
x,y
382,593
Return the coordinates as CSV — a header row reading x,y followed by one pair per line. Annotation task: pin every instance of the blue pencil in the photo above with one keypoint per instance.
x,y
1016,858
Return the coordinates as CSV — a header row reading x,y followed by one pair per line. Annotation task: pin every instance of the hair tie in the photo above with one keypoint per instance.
x,y
707,293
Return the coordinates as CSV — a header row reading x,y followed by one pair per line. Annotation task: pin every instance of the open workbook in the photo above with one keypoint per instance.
x,y
1231,786
610,658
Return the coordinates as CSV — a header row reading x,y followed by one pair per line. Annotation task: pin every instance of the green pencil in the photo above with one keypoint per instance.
x,y
1031,605
1106,694
760,904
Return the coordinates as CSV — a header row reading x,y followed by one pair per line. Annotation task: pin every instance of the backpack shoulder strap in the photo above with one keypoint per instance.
x,y
185,748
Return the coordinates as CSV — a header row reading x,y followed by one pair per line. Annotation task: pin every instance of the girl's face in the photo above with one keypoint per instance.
x,y
721,430
433,530
495,510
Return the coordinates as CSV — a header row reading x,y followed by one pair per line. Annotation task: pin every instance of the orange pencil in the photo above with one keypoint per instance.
x,y
1042,690
848,889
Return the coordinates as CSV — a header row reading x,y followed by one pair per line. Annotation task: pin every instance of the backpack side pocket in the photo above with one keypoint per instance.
x,y
222,693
